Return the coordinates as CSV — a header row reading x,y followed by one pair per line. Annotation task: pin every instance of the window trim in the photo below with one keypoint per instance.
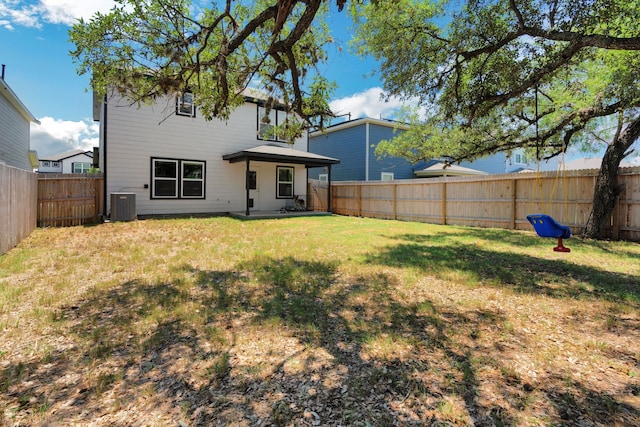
x,y
180,179
278,182
84,170
277,115
183,179
180,111
387,174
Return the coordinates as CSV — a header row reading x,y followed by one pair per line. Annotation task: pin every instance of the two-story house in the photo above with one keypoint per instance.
x,y
74,161
354,143
175,162
15,123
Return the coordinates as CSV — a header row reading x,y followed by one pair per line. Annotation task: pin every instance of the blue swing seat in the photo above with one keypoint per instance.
x,y
546,226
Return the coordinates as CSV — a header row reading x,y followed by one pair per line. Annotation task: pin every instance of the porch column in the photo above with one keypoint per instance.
x,y
329,189
246,186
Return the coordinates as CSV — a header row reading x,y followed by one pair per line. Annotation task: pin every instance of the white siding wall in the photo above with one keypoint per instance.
x,y
14,136
135,135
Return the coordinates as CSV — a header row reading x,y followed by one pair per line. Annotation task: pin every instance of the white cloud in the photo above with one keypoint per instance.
x,y
370,103
54,136
66,12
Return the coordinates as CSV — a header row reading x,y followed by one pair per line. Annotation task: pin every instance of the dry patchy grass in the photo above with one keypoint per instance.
x,y
316,321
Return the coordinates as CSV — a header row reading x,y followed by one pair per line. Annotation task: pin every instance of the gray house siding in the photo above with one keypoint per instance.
x,y
400,168
354,144
14,138
494,164
349,146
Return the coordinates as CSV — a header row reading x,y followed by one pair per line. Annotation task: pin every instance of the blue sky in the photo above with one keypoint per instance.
x,y
35,49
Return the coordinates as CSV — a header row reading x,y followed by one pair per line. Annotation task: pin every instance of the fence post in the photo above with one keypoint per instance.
x,y
514,193
359,196
395,201
444,202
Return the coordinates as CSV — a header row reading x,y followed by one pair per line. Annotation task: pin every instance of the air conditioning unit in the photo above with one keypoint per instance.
x,y
123,206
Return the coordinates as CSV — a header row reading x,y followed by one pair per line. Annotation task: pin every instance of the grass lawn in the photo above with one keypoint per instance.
x,y
316,321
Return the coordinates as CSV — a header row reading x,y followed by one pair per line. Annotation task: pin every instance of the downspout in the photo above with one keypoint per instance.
x,y
366,151
306,189
104,158
246,186
329,189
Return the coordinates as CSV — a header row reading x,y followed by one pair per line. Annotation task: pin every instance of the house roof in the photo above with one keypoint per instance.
x,y
589,163
442,169
358,122
277,153
33,158
15,101
66,155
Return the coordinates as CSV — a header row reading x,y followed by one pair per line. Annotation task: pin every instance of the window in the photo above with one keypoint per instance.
x,y
177,179
185,105
80,167
285,182
521,158
253,180
55,164
266,122
192,180
46,164
386,176
323,177
267,119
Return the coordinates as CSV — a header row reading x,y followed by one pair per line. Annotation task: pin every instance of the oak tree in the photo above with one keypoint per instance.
x,y
495,75
215,50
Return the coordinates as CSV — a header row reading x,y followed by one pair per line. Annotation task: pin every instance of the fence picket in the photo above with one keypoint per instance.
x,y
501,201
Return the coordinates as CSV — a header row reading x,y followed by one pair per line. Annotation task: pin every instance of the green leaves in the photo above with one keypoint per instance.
x,y
146,49
482,63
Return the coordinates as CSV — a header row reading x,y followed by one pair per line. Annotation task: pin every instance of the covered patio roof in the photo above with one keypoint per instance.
x,y
277,153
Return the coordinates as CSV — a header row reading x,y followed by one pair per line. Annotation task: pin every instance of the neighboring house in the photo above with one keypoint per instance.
x,y
74,161
15,133
176,162
590,163
354,143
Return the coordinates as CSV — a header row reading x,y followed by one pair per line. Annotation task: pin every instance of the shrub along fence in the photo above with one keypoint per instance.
x,y
501,201
18,201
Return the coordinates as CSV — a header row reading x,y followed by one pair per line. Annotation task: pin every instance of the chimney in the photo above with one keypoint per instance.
x,y
3,71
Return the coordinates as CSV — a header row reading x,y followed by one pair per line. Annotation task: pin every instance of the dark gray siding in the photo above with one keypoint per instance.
x,y
400,168
14,136
348,146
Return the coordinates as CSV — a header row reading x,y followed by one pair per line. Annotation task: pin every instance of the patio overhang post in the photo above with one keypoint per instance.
x,y
246,186
329,189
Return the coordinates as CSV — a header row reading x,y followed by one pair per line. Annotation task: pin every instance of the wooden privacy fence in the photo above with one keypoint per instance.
x,y
18,197
501,201
69,199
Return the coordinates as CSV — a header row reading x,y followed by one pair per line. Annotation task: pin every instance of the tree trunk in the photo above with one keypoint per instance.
x,y
607,190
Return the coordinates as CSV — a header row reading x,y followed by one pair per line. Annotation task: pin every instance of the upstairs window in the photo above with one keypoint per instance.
x,y
267,119
80,167
185,105
386,176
